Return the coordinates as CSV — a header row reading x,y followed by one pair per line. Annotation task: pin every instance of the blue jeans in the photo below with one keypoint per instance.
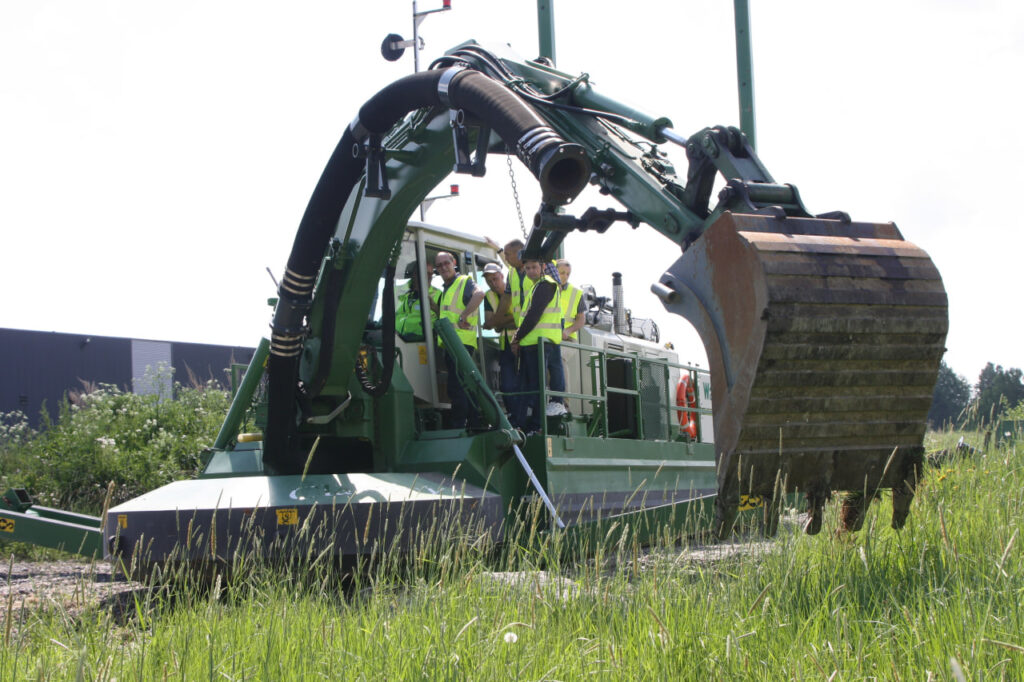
x,y
529,372
508,382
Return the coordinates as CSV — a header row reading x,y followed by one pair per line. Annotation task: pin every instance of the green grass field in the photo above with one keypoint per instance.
x,y
938,600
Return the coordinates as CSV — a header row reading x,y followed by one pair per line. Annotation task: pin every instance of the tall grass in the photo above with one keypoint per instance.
x,y
938,599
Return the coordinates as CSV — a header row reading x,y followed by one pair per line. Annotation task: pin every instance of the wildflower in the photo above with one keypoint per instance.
x,y
511,638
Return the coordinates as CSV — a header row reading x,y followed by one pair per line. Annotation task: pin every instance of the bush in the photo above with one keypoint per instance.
x,y
137,441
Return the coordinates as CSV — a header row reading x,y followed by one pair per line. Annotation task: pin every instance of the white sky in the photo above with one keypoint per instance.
x,y
155,158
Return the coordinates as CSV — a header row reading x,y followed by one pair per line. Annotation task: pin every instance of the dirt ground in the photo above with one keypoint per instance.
x,y
67,584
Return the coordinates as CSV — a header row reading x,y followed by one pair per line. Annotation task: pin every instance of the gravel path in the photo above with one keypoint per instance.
x,y
74,585
68,585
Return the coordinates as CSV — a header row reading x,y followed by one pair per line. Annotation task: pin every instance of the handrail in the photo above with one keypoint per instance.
x,y
599,399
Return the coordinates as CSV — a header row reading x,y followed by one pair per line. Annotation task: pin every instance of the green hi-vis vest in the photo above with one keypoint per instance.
x,y
550,324
571,297
409,316
494,299
519,287
452,308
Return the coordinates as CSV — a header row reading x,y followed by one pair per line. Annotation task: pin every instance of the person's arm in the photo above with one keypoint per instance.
x,y
476,297
501,252
435,301
551,271
503,315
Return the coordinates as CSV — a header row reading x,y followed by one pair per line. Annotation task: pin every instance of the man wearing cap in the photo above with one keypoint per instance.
x,y
409,315
542,318
460,299
508,378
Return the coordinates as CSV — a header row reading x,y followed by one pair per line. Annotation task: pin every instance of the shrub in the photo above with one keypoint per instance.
x,y
137,441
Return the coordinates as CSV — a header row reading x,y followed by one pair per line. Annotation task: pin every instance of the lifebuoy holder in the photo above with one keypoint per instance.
x,y
686,397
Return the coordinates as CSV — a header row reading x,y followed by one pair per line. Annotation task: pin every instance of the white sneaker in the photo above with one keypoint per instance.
x,y
556,409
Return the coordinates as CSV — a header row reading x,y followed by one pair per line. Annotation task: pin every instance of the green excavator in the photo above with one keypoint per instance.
x,y
823,335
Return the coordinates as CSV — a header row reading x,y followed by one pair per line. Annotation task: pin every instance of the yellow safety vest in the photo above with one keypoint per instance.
x,y
519,288
409,316
550,324
494,299
452,308
570,304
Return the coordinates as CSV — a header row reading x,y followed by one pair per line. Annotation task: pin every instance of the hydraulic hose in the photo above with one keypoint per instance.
x,y
561,168
388,341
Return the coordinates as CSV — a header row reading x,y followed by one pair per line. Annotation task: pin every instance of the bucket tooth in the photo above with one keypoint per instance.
x,y
815,512
853,511
824,340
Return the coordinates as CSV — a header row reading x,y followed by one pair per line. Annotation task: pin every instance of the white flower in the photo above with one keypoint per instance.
x,y
511,638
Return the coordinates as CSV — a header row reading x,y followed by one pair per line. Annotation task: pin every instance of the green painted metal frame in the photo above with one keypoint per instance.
x,y
242,400
598,362
23,521
637,176
745,70
546,28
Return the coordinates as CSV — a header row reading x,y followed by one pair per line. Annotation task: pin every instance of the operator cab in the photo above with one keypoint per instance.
x,y
420,358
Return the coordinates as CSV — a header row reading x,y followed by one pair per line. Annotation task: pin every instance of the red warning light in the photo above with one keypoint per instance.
x,y
454,190
447,4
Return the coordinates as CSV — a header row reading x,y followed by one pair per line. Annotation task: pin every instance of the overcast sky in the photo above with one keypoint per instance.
x,y
155,158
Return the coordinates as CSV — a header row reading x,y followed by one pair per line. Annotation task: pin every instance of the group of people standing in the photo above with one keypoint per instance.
x,y
535,301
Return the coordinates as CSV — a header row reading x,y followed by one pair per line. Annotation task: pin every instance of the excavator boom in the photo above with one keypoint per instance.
x,y
824,336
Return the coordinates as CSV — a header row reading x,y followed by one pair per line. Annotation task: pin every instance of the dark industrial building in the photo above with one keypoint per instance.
x,y
38,367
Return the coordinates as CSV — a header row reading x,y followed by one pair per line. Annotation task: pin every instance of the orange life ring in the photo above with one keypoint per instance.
x,y
687,397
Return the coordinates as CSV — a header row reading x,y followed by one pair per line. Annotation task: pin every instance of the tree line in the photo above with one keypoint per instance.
x,y
997,392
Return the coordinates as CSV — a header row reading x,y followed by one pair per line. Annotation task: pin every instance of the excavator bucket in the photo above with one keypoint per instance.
x,y
824,339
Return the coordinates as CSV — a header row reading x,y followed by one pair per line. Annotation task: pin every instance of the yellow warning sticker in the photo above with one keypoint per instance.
x,y
122,520
287,517
6,525
750,502
423,354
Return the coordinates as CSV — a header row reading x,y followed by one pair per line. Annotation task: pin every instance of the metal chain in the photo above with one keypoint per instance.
x,y
515,195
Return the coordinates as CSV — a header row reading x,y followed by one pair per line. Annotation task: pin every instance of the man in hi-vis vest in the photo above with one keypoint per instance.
x,y
542,318
572,303
460,299
508,375
409,314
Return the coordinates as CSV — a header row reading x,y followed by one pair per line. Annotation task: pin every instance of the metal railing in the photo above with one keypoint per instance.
x,y
647,390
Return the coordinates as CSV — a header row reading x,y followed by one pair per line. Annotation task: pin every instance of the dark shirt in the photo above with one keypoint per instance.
x,y
543,292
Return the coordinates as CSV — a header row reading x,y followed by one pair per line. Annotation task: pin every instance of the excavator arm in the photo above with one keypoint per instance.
x,y
824,335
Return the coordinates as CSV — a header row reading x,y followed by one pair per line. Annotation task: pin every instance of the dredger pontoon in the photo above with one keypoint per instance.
x,y
824,338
